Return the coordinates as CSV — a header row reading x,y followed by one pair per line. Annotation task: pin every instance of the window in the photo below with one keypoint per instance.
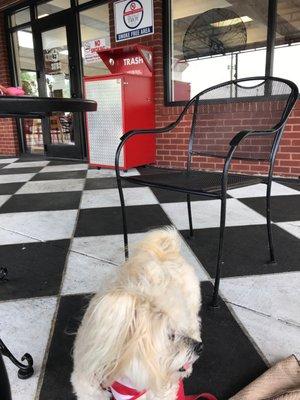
x,y
95,34
26,77
287,49
217,40
25,62
20,17
52,7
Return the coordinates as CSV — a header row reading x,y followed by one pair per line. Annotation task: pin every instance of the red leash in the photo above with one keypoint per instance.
x,y
182,396
119,388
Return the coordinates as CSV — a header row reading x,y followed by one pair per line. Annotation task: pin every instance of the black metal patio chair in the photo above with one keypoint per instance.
x,y
241,119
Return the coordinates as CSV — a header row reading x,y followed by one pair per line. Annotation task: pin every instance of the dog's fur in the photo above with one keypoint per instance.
x,y
145,327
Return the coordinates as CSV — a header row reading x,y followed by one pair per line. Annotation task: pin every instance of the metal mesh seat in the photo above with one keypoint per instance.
x,y
241,119
193,182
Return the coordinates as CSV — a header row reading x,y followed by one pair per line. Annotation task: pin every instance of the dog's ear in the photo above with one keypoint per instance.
x,y
107,327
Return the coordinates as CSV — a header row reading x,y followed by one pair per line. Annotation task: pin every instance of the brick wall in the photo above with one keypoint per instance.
x,y
8,133
171,149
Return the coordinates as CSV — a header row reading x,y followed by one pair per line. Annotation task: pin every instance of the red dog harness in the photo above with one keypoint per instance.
x,y
123,392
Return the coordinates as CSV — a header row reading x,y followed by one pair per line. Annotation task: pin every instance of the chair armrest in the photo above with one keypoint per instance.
x,y
147,131
242,134
134,132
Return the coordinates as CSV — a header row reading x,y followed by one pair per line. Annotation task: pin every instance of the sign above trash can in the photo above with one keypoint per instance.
x,y
133,18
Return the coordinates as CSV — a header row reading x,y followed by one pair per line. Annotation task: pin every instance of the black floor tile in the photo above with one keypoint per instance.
x,y
48,176
10,188
25,170
56,384
42,202
291,183
245,250
106,183
148,170
283,208
228,361
295,186
34,269
168,196
3,165
65,162
108,221
31,157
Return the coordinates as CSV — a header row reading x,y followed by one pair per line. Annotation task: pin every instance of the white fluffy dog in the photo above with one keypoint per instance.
x,y
144,331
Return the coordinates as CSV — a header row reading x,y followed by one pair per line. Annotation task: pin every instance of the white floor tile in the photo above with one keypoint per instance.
x,y
64,168
293,227
86,275
7,237
7,160
259,190
277,295
110,248
27,164
275,339
4,199
16,178
62,185
106,248
206,214
42,225
109,173
25,326
110,197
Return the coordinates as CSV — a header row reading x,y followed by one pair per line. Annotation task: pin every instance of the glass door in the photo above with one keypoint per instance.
x,y
58,74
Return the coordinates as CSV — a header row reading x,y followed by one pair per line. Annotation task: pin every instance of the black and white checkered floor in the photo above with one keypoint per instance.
x,y
60,236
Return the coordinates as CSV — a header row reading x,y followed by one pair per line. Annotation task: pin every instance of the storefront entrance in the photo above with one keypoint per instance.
x,y
52,49
58,75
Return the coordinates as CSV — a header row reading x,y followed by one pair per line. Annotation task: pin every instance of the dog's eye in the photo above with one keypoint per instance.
x,y
172,337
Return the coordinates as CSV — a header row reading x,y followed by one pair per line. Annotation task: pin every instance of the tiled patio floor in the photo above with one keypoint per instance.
x,y
60,238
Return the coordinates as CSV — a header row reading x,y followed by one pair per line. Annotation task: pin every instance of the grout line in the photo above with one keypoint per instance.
x,y
48,242
287,322
247,334
46,351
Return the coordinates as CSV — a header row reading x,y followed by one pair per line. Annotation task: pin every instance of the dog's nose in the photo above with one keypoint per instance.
x,y
198,348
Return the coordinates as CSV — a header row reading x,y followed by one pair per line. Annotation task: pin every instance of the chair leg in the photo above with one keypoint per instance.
x,y
188,201
215,298
125,233
269,226
25,370
5,393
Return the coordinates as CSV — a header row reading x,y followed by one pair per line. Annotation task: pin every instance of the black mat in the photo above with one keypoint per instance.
x,y
108,221
283,208
224,367
106,183
245,250
34,269
48,176
10,188
42,202
25,170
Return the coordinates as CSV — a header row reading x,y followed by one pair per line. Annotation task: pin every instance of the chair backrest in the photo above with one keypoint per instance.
x,y
220,112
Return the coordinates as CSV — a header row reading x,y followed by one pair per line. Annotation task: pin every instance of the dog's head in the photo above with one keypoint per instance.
x,y
132,336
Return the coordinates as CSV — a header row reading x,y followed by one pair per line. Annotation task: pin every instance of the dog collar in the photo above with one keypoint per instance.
x,y
120,391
